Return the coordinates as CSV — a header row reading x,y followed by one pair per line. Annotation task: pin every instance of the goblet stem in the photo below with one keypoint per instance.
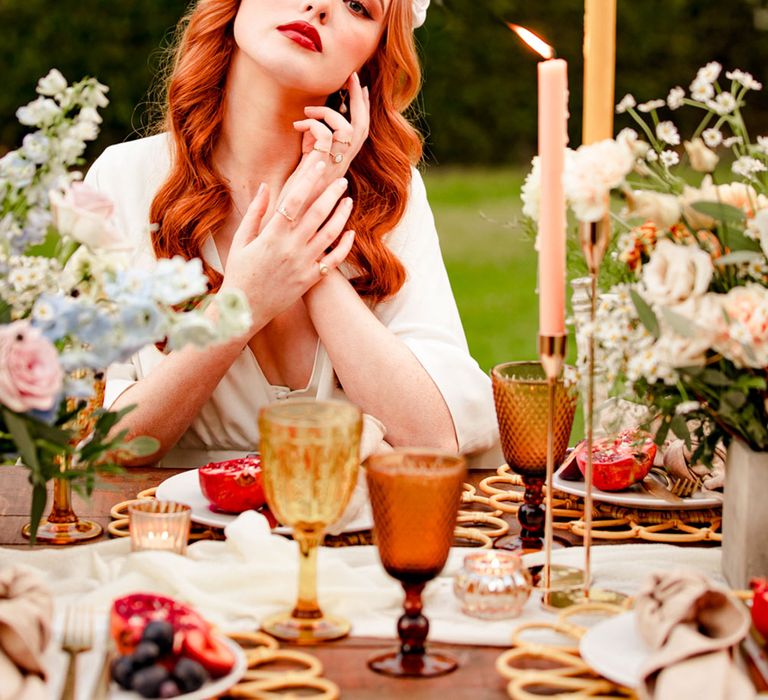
x,y
531,515
413,627
306,604
61,508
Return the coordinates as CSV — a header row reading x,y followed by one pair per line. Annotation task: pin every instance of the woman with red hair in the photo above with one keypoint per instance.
x,y
286,165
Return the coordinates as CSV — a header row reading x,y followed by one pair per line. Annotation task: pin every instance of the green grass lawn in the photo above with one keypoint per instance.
x,y
490,260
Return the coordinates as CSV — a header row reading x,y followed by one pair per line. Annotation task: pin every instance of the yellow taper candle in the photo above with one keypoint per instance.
x,y
599,69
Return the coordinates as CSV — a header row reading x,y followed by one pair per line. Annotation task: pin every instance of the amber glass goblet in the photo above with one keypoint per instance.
x,y
310,456
521,397
415,497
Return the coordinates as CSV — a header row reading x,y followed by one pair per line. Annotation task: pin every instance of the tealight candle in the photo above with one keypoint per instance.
x,y
492,585
159,525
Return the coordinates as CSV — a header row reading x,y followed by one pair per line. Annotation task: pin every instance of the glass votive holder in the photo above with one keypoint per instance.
x,y
492,584
159,525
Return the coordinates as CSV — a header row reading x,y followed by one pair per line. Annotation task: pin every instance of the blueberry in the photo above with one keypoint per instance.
x,y
145,654
189,674
169,689
122,671
161,633
147,681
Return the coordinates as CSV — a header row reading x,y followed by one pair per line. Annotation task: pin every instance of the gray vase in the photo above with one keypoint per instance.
x,y
745,515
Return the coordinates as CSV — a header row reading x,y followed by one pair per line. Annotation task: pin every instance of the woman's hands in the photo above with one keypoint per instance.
x,y
276,264
329,133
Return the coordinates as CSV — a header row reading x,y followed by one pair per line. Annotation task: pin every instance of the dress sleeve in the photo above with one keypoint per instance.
x,y
424,315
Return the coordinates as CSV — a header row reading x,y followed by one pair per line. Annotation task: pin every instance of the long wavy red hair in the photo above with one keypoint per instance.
x,y
195,199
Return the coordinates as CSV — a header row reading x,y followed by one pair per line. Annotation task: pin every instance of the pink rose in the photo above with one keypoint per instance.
x,y
30,373
85,214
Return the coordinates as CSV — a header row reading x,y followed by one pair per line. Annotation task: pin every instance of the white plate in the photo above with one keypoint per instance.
x,y
209,690
615,650
185,488
636,497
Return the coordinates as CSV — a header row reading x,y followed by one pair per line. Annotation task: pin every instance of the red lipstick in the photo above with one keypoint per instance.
x,y
304,34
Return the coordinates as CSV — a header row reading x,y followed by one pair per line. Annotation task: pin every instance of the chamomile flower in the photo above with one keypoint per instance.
x,y
669,158
724,103
748,167
743,78
701,91
667,132
627,102
712,137
675,97
709,73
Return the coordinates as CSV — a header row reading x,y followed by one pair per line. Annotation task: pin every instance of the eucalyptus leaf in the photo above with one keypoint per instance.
x,y
721,212
39,499
141,446
739,257
17,426
645,313
679,427
680,324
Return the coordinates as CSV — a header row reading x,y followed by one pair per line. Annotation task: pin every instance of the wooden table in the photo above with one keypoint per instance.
x,y
344,661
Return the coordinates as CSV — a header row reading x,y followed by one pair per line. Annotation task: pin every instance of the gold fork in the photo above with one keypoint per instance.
x,y
77,637
684,487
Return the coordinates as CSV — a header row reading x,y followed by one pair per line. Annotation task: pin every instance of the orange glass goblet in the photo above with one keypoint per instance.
x,y
415,497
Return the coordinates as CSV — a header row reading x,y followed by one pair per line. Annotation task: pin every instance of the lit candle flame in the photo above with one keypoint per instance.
x,y
535,42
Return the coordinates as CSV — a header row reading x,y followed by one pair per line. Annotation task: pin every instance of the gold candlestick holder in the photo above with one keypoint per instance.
x,y
594,237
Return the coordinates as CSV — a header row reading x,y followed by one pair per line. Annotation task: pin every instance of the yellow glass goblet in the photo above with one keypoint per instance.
x,y
310,456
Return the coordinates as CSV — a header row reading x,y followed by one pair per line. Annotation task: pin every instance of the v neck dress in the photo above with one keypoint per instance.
x,y
422,314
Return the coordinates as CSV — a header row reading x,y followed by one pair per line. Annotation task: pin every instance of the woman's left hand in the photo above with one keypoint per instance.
x,y
330,132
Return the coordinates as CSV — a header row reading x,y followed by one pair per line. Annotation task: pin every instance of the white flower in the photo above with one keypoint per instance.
x,y
419,12
52,84
36,147
736,194
70,149
733,141
85,215
743,338
669,158
591,172
762,144
89,114
712,137
760,226
744,78
724,103
662,209
629,137
627,102
702,159
675,97
651,156
651,105
675,273
667,132
702,91
175,280
531,190
40,112
84,131
748,167
95,95
709,73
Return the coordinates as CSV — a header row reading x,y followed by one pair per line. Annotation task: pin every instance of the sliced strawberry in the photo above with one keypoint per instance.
x,y
208,651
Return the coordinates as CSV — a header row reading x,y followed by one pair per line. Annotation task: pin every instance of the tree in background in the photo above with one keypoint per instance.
x,y
479,98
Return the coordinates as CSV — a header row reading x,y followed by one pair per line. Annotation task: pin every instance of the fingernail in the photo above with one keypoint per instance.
x,y
356,76
341,182
365,91
261,188
348,202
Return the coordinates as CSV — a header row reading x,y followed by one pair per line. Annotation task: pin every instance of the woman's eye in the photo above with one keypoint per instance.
x,y
358,8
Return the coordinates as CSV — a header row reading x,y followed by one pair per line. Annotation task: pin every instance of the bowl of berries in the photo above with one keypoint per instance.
x,y
164,649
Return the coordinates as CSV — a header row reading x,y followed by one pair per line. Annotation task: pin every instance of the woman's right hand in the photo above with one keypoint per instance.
x,y
275,264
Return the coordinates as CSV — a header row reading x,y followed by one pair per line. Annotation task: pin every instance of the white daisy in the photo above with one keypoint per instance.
x,y
675,97
627,102
712,137
651,105
669,158
724,103
709,73
744,78
651,156
667,132
762,144
748,167
701,91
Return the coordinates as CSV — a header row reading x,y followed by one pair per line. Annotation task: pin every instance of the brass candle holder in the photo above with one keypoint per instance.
x,y
594,237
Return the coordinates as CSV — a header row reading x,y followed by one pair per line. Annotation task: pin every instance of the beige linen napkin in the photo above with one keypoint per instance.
x,y
26,611
691,627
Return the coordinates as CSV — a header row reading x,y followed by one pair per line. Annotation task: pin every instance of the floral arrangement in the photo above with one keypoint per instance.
x,y
683,329
70,303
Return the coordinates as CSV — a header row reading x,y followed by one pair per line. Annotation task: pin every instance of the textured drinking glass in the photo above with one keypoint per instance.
x,y
521,397
159,525
415,497
492,585
310,456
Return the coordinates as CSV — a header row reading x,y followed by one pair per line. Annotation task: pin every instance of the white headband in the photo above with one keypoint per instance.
x,y
419,12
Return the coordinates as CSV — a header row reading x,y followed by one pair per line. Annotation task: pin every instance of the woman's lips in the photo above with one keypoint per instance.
x,y
304,34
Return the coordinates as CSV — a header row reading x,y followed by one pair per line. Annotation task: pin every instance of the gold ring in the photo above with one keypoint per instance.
x,y
336,157
320,150
282,212
324,269
346,143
